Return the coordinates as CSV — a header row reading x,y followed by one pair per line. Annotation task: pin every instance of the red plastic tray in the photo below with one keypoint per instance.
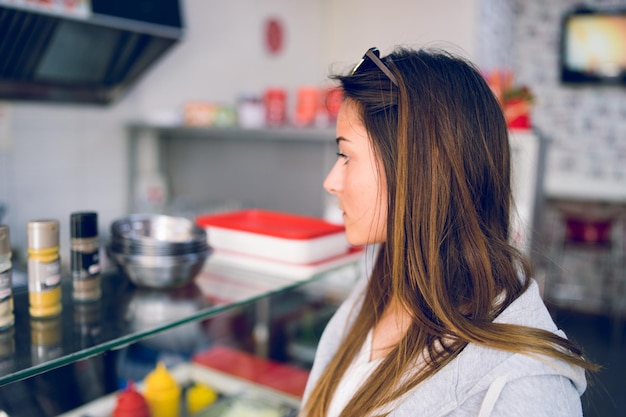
x,y
282,377
271,223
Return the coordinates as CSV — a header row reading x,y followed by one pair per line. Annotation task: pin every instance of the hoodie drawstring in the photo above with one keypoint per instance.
x,y
492,395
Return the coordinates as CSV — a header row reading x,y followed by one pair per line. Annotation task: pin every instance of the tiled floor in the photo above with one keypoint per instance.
x,y
606,393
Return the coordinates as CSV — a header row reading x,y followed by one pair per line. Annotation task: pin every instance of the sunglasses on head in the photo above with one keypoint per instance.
x,y
373,54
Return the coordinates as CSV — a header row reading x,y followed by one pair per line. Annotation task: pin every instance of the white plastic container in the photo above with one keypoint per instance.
x,y
275,236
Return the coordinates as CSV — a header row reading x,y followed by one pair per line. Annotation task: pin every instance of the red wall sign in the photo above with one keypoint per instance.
x,y
274,36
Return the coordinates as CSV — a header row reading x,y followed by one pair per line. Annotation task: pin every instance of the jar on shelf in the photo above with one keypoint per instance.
x,y
85,256
6,283
44,268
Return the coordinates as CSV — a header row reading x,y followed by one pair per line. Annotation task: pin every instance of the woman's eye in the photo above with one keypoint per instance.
x,y
344,156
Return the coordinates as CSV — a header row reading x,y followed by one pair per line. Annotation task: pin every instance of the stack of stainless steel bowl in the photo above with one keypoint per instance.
x,y
158,251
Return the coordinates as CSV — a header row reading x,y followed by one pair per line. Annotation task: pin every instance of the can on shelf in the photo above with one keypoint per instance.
x,y
85,256
44,268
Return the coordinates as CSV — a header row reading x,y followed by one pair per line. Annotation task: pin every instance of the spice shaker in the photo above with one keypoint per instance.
x,y
85,259
44,268
6,283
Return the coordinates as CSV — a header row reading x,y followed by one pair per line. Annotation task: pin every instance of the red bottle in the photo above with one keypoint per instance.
x,y
130,403
275,107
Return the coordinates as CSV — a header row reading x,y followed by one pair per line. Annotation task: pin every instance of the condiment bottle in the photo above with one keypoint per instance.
x,y
275,100
162,393
85,262
199,396
44,268
307,106
6,283
130,403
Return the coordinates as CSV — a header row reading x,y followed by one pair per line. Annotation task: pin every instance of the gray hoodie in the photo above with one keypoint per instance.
x,y
479,382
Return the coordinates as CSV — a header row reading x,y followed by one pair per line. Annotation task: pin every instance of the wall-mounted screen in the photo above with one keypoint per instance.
x,y
593,47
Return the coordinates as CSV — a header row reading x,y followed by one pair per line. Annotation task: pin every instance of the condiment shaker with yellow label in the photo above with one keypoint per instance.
x,y
44,268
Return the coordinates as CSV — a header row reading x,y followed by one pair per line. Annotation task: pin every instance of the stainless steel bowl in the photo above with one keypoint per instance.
x,y
157,234
164,271
130,248
158,251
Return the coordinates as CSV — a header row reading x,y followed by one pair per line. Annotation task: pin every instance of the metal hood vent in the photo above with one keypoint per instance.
x,y
91,52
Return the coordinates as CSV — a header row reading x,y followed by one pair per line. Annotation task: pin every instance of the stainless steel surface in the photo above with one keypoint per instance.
x,y
85,51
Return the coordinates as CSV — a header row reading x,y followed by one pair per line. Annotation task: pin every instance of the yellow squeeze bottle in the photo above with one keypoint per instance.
x,y
162,393
199,397
44,268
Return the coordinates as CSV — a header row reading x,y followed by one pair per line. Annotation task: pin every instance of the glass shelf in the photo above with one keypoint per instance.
x,y
124,315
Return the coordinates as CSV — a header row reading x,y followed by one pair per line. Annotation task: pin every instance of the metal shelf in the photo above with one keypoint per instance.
x,y
293,134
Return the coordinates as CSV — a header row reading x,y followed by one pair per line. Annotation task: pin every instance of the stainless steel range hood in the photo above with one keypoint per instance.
x,y
81,51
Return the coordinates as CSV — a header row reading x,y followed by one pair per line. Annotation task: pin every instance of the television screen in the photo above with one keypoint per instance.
x,y
593,47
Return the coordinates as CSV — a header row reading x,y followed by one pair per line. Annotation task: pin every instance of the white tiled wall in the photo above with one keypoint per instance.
x,y
63,159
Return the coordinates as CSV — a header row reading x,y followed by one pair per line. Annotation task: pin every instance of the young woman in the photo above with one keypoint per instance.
x,y
449,323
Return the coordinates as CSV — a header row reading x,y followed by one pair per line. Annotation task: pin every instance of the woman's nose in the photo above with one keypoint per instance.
x,y
332,183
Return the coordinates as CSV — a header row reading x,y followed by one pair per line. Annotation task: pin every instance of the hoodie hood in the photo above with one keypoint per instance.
x,y
478,374
478,369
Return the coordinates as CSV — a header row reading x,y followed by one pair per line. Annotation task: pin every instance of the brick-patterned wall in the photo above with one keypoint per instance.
x,y
496,34
585,125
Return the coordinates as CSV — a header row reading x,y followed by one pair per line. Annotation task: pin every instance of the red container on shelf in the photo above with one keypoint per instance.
x,y
517,114
307,106
262,372
333,100
275,107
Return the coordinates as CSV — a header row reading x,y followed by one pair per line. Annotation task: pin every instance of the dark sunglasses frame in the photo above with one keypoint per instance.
x,y
374,55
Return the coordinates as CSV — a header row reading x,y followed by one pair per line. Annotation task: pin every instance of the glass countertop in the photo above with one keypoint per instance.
x,y
123,315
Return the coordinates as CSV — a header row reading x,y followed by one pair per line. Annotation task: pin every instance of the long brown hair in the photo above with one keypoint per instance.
x,y
442,139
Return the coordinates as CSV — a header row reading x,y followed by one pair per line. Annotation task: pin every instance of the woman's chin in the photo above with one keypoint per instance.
x,y
355,240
